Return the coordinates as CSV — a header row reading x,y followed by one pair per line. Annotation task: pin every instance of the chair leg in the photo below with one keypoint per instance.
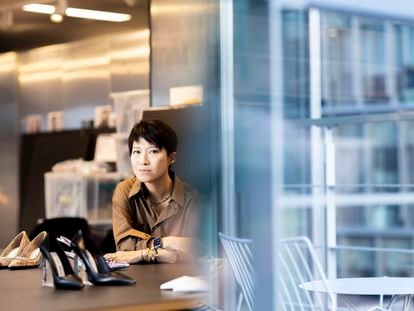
x,y
392,300
407,302
239,303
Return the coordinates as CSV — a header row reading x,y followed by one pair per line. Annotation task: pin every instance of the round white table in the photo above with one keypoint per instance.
x,y
380,286
364,286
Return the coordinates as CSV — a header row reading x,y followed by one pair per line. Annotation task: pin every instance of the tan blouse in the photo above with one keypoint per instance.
x,y
134,221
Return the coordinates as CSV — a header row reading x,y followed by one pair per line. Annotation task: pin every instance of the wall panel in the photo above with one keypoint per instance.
x,y
8,147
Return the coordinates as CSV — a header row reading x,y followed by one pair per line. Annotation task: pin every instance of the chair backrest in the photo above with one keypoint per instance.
x,y
297,263
66,226
240,257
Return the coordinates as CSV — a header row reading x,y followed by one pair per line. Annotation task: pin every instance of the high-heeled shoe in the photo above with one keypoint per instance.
x,y
14,249
31,256
57,264
76,263
97,269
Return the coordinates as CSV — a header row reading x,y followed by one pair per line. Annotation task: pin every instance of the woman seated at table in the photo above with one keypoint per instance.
x,y
154,213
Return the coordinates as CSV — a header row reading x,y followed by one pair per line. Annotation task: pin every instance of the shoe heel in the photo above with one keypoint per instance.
x,y
76,263
80,270
47,277
96,267
56,266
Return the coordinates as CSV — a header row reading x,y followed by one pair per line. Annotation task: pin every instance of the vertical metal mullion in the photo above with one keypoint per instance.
x,y
227,134
356,63
405,38
390,70
227,116
403,168
277,143
315,62
322,174
317,176
330,182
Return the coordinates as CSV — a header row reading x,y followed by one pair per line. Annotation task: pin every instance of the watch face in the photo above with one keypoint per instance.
x,y
157,243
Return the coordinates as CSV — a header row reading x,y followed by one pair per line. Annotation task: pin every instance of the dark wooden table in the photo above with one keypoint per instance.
x,y
23,290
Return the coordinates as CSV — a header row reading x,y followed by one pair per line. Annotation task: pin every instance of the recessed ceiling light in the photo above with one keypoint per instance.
x,y
56,18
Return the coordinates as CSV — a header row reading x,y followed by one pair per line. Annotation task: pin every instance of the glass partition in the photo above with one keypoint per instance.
x,y
323,140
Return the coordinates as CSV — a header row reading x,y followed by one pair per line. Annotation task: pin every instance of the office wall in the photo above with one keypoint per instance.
x,y
184,47
74,78
8,147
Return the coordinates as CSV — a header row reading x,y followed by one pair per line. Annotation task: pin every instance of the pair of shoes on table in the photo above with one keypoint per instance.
x,y
21,253
97,270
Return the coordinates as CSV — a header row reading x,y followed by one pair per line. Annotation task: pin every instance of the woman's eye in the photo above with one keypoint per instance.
x,y
136,152
154,151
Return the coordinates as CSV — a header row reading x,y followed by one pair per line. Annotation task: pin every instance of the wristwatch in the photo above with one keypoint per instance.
x,y
156,243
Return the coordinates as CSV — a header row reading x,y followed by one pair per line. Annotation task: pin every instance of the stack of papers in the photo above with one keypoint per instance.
x,y
186,284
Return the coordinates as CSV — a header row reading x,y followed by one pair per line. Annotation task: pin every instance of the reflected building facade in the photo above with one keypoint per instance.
x,y
360,106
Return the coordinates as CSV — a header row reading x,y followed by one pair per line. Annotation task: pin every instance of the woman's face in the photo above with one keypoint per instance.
x,y
149,162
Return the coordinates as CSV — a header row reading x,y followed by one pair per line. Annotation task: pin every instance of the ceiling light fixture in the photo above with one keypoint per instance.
x,y
39,8
78,13
98,15
56,18
60,11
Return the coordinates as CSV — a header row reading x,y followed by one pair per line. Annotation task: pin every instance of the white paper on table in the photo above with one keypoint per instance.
x,y
185,284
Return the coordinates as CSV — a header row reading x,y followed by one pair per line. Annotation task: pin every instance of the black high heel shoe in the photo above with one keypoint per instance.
x,y
59,266
97,269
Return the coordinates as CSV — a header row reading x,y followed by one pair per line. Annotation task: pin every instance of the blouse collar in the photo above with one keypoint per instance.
x,y
178,191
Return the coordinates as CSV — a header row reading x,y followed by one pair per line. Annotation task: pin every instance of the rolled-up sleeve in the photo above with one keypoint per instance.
x,y
127,238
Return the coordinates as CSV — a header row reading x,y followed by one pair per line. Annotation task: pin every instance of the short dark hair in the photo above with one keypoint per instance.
x,y
155,132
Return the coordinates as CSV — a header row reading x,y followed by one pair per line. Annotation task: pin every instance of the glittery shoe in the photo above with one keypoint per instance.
x,y
14,249
31,256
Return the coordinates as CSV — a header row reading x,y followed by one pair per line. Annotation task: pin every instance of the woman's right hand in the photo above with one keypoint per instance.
x,y
181,244
167,255
131,257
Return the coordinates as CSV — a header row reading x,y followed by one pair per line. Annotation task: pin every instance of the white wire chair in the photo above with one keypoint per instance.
x,y
297,263
240,257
